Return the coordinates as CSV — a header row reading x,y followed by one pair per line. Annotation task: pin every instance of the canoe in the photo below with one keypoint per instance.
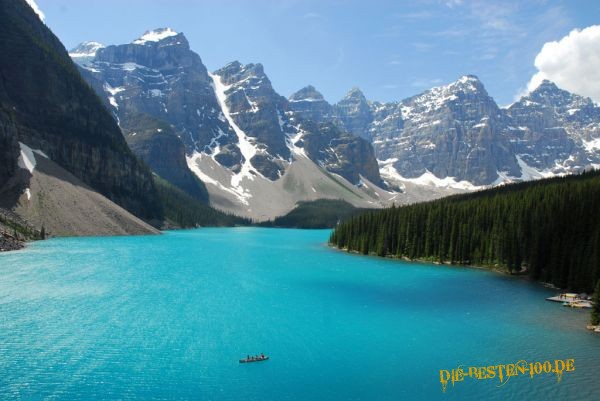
x,y
254,360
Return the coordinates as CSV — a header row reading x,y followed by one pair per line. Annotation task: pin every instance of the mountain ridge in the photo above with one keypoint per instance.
x,y
239,134
405,137
450,138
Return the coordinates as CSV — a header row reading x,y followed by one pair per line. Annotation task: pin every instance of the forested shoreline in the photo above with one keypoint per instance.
x,y
320,213
547,229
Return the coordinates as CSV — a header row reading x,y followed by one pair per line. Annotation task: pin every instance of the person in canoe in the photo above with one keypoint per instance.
x,y
258,358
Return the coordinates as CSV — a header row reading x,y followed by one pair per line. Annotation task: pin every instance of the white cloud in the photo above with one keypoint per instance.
x,y
572,63
37,10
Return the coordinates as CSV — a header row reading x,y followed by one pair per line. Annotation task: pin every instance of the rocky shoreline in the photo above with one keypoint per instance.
x,y
9,243
14,231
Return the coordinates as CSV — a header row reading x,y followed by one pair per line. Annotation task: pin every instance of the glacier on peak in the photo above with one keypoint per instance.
x,y
86,49
155,35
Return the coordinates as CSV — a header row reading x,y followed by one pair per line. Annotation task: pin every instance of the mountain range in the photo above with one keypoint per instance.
x,y
143,133
259,153
457,136
254,153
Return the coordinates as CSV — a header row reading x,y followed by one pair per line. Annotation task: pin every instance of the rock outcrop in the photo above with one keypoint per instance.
x,y
555,131
157,144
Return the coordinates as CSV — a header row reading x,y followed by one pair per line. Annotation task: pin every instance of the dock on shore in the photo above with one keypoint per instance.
x,y
572,300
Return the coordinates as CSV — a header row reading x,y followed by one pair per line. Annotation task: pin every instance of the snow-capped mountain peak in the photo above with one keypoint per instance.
x,y
250,145
85,52
564,103
465,84
155,35
468,78
548,93
439,96
86,49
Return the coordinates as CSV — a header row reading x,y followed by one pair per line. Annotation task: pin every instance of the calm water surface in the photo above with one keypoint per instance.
x,y
168,317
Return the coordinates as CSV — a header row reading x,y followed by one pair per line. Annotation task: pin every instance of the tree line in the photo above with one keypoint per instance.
x,y
182,210
320,213
547,229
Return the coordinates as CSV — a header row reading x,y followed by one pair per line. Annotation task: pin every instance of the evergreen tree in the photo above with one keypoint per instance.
x,y
596,309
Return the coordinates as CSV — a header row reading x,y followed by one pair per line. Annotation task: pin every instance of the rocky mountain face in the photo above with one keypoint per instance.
x,y
9,147
159,147
555,131
256,113
159,75
85,52
340,152
355,113
233,125
328,141
162,96
451,131
456,136
46,105
309,104
240,136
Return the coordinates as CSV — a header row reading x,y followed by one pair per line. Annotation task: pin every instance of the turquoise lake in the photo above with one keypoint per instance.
x,y
169,316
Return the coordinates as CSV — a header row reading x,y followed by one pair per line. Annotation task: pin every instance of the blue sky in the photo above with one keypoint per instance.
x,y
389,49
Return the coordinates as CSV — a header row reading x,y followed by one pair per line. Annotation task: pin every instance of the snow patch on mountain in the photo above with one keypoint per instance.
x,y
214,147
247,148
195,161
26,158
292,140
429,179
389,173
113,92
305,100
37,10
28,162
86,49
529,173
592,145
192,162
155,36
438,96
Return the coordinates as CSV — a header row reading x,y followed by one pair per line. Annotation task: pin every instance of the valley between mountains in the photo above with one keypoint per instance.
x,y
258,153
135,137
